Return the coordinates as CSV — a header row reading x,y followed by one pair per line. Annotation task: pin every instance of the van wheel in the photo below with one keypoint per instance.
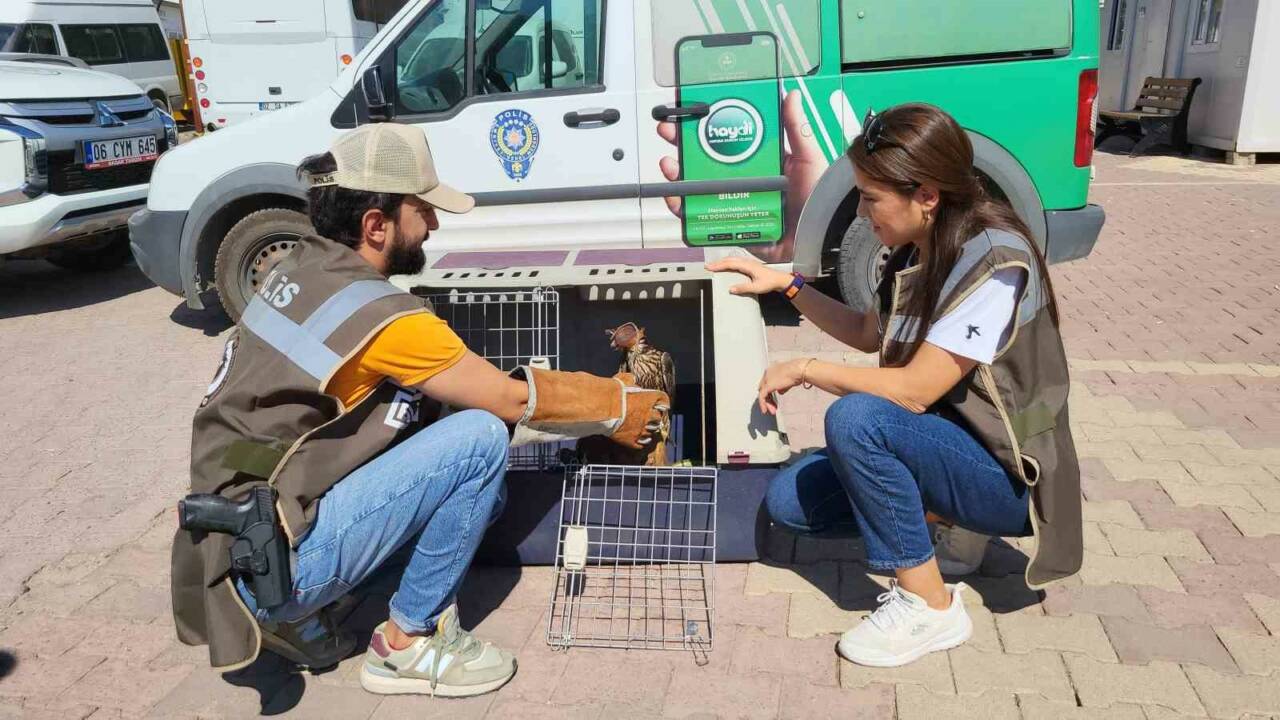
x,y
249,251
862,260
109,256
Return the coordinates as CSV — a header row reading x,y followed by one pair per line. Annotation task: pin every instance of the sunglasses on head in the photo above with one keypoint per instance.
x,y
873,139
873,131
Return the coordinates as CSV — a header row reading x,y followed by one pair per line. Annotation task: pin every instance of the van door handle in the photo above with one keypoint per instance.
x,y
676,113
593,117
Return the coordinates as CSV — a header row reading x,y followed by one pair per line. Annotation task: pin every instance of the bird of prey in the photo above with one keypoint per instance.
x,y
652,369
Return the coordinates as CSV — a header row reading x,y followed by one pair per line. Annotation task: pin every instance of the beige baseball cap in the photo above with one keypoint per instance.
x,y
391,158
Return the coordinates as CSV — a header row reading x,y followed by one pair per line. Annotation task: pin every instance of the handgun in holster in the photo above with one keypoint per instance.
x,y
259,552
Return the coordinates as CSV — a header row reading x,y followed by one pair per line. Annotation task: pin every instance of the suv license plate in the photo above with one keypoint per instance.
x,y
123,151
273,105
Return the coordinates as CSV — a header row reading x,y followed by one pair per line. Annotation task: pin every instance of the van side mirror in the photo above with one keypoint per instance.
x,y
564,57
375,96
564,50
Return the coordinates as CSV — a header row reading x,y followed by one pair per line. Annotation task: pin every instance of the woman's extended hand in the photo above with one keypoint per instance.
x,y
779,378
761,278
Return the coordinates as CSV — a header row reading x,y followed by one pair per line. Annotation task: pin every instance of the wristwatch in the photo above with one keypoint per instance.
x,y
797,283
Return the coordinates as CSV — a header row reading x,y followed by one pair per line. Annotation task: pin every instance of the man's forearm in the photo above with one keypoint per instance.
x,y
474,382
515,400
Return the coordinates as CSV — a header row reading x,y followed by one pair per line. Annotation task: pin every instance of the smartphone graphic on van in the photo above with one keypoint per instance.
x,y
736,75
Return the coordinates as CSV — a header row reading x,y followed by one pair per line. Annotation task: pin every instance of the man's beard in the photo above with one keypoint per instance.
x,y
405,259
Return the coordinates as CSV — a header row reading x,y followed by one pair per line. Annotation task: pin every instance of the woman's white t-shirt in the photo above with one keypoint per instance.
x,y
982,323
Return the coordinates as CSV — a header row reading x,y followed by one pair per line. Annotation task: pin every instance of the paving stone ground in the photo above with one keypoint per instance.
x,y
1172,327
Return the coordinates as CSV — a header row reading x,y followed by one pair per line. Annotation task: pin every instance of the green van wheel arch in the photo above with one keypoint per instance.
x,y
823,209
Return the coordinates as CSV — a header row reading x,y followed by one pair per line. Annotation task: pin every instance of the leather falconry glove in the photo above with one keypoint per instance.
x,y
565,405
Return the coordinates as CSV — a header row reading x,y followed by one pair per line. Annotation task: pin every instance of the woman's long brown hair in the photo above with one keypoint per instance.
x,y
920,144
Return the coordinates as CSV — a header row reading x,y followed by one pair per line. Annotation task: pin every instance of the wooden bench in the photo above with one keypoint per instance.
x,y
1158,118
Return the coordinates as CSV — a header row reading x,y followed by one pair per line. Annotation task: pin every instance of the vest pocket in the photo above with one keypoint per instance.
x,y
1030,469
1037,419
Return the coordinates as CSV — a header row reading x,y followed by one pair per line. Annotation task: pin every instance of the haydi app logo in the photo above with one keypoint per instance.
x,y
732,131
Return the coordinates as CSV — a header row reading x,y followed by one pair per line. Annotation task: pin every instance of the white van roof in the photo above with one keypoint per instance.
x,y
25,10
78,11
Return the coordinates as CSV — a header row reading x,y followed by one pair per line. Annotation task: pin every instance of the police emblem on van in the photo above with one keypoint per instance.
x,y
731,131
514,138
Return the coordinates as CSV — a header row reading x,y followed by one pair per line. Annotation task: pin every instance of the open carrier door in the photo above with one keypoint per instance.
x,y
634,547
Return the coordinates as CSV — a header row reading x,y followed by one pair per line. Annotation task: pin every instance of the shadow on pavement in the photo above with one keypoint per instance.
x,y
34,287
483,591
212,321
279,682
1000,581
8,661
279,685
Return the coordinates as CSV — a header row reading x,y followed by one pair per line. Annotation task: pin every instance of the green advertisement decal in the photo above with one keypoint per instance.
x,y
731,132
736,77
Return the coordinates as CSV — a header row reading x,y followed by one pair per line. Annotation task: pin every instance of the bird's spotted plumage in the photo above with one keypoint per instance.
x,y
653,369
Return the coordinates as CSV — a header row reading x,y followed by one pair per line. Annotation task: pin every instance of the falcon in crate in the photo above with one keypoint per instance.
x,y
652,369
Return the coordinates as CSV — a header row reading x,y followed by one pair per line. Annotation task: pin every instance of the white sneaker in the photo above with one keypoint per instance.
x,y
904,629
959,551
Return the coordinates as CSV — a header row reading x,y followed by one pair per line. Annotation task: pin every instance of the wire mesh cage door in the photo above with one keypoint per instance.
x,y
636,558
509,328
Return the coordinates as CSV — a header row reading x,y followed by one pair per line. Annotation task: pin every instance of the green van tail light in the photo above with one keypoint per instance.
x,y
1085,102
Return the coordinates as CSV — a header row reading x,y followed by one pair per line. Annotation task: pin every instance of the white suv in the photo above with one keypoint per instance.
x,y
77,147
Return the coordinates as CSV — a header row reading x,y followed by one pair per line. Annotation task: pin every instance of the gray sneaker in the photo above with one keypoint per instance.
x,y
449,663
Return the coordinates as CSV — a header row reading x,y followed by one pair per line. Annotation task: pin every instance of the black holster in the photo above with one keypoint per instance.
x,y
259,551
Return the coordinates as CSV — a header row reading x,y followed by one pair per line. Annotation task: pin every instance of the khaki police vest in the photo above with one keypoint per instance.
x,y
267,419
1016,406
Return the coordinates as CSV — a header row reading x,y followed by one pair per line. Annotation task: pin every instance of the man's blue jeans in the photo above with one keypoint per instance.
x,y
438,490
883,467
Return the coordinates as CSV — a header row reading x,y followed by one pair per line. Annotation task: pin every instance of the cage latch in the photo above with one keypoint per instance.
x,y
575,547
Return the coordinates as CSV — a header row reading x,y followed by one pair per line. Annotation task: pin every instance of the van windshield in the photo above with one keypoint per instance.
x,y
28,38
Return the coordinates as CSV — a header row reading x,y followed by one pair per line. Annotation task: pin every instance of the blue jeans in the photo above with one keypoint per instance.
x,y
439,490
883,467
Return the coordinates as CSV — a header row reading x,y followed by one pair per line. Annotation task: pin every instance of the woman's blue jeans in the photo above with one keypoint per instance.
x,y
883,467
438,490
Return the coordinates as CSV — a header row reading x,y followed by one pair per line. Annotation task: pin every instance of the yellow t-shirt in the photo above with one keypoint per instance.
x,y
409,350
